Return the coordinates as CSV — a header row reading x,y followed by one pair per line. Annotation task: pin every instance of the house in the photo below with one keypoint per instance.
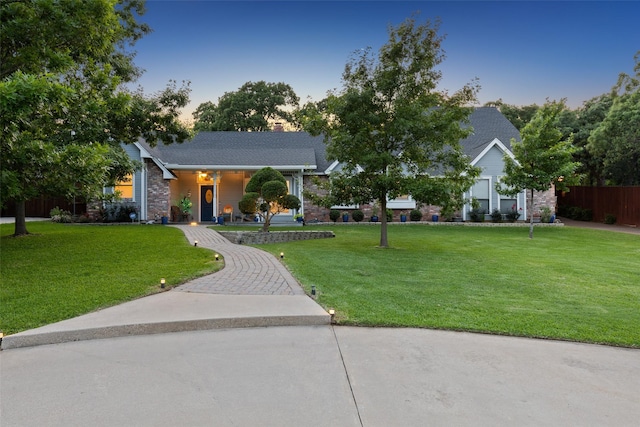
x,y
213,169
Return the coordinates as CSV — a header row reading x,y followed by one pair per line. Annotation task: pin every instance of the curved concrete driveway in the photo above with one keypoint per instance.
x,y
299,376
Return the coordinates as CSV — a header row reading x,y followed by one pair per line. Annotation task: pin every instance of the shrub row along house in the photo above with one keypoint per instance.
x,y
206,176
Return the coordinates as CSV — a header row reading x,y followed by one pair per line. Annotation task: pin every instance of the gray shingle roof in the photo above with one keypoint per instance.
x,y
488,123
220,150
249,149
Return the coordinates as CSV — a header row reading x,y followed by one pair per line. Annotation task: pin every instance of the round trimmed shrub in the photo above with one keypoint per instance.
x,y
334,214
357,215
415,215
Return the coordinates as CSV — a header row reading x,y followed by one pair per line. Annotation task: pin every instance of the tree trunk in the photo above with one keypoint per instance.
x,y
267,222
531,216
384,242
21,223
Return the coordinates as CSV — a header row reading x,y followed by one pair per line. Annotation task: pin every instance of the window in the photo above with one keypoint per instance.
x,y
480,191
507,203
125,187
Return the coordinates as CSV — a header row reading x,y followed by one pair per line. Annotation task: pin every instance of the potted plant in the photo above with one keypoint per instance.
x,y
334,214
345,216
403,216
185,205
357,215
374,212
298,217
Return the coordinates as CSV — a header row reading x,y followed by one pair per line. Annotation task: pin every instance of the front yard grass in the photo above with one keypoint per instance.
x,y
566,283
67,270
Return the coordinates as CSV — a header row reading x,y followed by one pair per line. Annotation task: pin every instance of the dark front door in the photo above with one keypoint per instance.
x,y
206,203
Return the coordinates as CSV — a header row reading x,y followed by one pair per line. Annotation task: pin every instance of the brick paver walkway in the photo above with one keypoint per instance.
x,y
247,270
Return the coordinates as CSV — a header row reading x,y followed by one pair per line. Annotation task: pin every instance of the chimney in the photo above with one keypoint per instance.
x,y
277,127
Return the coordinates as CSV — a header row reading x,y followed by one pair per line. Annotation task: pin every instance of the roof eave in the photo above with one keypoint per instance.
x,y
495,143
175,166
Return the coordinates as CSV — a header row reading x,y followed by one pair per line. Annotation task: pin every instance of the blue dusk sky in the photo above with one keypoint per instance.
x,y
521,51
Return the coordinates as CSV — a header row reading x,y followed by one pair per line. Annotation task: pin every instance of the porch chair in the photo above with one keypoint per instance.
x,y
227,213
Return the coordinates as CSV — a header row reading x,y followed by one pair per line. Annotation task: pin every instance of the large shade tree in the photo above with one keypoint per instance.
x,y
267,195
64,109
617,138
392,130
542,159
251,108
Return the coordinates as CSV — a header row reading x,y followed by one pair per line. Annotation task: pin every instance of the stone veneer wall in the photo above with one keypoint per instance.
x,y
158,194
257,237
543,198
313,212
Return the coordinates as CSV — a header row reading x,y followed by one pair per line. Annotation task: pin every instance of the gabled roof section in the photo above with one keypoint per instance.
x,y
145,154
495,143
244,150
488,124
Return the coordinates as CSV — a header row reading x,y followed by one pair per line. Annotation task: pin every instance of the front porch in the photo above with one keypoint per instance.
x,y
215,194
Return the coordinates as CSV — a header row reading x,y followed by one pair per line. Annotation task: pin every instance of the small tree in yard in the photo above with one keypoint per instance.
x,y
267,195
391,130
542,159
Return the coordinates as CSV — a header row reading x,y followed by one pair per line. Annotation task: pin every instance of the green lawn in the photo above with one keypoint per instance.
x,y
566,283
67,270
571,284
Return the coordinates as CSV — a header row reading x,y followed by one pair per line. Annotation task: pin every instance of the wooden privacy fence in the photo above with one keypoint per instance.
x,y
623,202
41,207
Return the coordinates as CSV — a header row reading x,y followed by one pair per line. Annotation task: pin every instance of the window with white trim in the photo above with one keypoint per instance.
x,y
507,203
125,187
481,191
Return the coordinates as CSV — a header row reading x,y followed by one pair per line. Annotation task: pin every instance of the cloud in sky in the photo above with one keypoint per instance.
x,y
521,51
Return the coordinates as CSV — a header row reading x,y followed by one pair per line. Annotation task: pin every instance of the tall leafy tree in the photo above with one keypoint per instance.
x,y
617,139
581,122
63,108
266,195
391,129
542,159
250,108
